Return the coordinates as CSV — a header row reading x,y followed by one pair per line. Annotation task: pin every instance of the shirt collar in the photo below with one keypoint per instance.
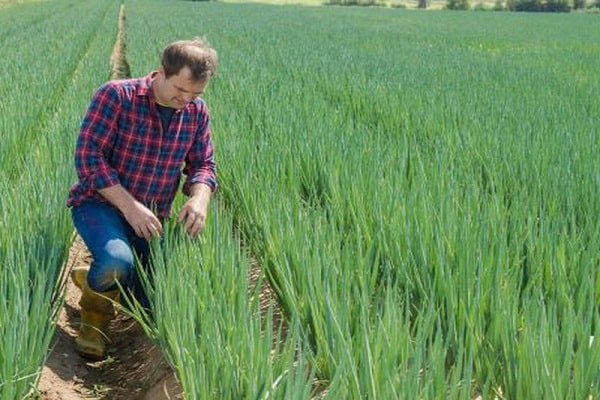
x,y
145,88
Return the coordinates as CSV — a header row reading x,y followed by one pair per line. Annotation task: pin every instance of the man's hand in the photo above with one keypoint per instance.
x,y
194,211
142,220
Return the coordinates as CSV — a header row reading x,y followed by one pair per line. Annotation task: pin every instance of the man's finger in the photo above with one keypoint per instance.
x,y
196,227
183,215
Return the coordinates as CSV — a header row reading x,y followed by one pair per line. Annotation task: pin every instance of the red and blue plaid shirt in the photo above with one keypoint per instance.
x,y
121,140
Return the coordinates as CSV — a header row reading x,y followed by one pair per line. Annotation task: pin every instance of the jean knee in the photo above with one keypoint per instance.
x,y
114,265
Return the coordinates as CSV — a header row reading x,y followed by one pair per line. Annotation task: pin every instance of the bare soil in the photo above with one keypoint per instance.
x,y
134,369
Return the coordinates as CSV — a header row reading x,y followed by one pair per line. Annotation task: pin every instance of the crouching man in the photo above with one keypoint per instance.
x,y
136,140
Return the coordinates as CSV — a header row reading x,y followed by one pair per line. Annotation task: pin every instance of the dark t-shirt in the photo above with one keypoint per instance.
x,y
165,115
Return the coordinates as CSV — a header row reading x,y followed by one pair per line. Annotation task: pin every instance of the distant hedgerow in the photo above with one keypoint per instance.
x,y
542,6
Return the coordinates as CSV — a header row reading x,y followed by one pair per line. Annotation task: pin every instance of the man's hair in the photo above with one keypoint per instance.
x,y
196,54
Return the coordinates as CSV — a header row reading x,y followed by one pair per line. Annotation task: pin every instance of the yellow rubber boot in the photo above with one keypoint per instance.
x,y
96,312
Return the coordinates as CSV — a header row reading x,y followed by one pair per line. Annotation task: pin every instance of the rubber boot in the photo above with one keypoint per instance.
x,y
97,310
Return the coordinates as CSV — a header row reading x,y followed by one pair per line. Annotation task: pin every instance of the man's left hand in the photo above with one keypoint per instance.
x,y
194,211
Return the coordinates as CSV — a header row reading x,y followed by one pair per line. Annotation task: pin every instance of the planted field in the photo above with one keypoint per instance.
x,y
50,63
420,190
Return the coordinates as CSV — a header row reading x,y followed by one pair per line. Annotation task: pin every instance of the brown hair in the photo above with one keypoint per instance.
x,y
196,54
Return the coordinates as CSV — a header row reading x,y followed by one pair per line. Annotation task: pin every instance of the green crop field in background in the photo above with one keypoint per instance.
x,y
421,190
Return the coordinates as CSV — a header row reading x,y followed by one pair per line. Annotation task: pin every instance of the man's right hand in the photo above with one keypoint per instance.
x,y
143,221
141,218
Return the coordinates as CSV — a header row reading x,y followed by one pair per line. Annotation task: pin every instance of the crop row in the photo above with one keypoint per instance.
x,y
54,54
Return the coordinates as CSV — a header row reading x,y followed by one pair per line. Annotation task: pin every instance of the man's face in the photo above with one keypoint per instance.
x,y
178,90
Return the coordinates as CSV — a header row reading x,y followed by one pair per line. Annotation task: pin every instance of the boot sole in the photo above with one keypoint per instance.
x,y
89,352
90,356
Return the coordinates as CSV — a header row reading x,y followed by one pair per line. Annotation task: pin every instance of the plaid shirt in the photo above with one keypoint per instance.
x,y
121,140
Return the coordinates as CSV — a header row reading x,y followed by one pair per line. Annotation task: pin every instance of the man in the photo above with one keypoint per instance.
x,y
136,139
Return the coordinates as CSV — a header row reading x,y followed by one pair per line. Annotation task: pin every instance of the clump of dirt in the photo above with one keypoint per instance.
x,y
134,369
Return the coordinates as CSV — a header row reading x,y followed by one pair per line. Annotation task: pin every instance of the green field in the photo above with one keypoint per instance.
x,y
421,190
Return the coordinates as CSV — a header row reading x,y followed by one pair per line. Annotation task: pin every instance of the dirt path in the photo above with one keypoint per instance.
x,y
134,369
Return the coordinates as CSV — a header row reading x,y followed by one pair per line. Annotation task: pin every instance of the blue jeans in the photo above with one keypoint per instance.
x,y
114,247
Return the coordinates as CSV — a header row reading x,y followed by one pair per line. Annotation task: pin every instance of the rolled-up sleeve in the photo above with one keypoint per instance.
x,y
200,165
94,141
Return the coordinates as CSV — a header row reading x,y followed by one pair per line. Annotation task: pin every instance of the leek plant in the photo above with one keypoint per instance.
x,y
210,326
